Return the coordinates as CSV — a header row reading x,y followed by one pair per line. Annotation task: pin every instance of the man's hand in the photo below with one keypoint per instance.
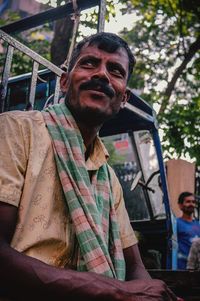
x,y
107,289
149,290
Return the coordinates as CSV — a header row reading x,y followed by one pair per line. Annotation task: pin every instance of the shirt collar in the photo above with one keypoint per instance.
x,y
98,156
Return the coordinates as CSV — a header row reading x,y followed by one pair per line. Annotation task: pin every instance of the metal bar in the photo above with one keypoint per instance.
x,y
33,83
102,15
76,18
158,148
47,16
75,29
30,53
57,90
140,112
5,76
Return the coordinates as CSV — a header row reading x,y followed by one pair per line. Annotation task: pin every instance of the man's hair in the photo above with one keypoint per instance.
x,y
106,41
183,195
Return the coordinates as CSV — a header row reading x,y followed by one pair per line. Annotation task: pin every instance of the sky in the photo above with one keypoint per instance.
x,y
115,24
120,21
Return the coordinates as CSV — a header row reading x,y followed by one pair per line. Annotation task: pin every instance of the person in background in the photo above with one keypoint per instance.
x,y
188,229
64,230
193,262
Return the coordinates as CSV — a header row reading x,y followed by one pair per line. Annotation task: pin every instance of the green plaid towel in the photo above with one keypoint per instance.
x,y
90,205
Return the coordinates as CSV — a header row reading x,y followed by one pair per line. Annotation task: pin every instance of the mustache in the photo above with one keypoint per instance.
x,y
98,85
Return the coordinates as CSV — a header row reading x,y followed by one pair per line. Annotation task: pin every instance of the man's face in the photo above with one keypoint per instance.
x,y
96,86
188,205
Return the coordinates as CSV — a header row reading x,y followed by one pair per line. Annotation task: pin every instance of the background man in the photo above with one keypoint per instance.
x,y
64,229
188,229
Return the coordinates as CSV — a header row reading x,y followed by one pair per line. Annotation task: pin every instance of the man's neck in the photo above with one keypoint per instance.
x,y
88,129
89,135
188,218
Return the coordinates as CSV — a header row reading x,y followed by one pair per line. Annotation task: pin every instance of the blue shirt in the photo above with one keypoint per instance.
x,y
187,232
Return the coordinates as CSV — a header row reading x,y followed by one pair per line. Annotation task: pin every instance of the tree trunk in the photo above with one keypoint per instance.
x,y
61,41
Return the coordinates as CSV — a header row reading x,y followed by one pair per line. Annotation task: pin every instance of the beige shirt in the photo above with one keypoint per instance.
x,y
29,181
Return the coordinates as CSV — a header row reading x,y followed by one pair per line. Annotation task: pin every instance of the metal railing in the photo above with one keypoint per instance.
x,y
71,7
37,60
54,14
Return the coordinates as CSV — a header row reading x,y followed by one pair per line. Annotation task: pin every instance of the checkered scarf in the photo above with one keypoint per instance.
x,y
90,205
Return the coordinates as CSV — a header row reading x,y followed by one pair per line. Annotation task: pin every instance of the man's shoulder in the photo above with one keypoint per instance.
x,y
181,223
23,115
184,221
196,222
22,118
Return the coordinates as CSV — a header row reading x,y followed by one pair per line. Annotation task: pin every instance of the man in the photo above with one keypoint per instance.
x,y
188,229
193,262
64,230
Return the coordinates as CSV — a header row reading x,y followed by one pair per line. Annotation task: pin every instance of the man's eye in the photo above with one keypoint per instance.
x,y
88,63
117,72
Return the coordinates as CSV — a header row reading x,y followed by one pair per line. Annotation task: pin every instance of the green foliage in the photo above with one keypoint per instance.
x,y
89,19
182,125
35,39
9,18
161,40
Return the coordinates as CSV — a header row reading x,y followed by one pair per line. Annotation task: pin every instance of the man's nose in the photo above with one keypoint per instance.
x,y
101,73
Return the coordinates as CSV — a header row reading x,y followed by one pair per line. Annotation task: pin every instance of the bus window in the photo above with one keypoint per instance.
x,y
124,161
150,170
134,159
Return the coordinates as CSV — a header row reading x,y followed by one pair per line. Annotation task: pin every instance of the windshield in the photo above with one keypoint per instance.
x,y
133,157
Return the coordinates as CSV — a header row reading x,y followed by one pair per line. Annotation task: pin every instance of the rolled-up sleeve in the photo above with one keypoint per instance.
x,y
12,159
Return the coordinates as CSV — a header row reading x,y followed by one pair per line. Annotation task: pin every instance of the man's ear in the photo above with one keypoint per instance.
x,y
125,98
63,82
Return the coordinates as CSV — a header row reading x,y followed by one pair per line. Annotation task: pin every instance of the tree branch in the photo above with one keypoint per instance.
x,y
194,47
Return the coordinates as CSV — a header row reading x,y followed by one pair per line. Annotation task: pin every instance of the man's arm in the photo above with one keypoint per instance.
x,y
26,278
134,266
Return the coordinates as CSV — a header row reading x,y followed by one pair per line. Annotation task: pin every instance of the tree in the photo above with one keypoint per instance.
x,y
56,49
33,38
166,43
63,30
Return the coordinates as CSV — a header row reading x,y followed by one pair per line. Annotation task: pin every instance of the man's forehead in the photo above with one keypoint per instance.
x,y
88,49
189,198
